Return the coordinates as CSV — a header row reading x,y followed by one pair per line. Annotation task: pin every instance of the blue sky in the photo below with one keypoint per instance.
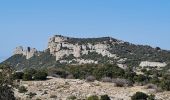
x,y
32,22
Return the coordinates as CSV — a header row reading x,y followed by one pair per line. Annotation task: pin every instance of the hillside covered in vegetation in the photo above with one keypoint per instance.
x,y
109,51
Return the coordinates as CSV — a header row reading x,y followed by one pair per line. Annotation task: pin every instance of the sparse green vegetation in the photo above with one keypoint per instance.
x,y
98,71
18,75
93,97
31,95
6,83
27,77
71,98
53,96
142,96
139,96
165,85
105,97
40,75
33,74
22,89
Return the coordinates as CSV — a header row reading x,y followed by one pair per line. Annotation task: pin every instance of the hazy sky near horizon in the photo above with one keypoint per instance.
x,y
32,22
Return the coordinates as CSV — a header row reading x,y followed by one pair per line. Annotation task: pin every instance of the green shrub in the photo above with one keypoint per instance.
x,y
141,78
53,96
143,70
105,97
90,79
22,89
93,97
71,98
35,75
27,77
30,71
97,70
165,85
18,75
31,95
139,96
40,75
151,97
52,71
70,77
122,82
155,80
106,79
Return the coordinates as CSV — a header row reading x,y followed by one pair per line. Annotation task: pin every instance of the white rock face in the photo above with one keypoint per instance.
x,y
18,50
79,61
59,47
83,61
152,64
28,52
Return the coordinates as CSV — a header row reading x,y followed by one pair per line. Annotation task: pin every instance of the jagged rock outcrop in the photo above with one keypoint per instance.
x,y
61,46
28,52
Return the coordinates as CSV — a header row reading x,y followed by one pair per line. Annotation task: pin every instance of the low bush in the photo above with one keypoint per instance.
x,y
22,89
141,79
105,97
106,79
151,97
93,97
70,77
122,82
31,95
53,96
40,75
18,75
151,86
139,96
27,77
71,98
165,85
90,79
59,72
38,99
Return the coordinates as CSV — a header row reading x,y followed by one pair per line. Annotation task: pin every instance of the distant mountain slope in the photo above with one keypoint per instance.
x,y
66,50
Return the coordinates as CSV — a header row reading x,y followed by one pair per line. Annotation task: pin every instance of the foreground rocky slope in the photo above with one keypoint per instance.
x,y
61,89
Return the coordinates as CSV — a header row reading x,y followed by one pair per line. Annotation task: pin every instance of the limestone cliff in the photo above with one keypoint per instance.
x,y
61,46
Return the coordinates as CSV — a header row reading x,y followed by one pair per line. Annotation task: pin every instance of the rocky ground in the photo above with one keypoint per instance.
x,y
61,89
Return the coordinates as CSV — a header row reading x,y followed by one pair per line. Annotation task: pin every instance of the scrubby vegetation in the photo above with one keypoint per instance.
x,y
31,74
105,97
22,89
6,83
101,72
93,97
71,98
142,96
111,73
